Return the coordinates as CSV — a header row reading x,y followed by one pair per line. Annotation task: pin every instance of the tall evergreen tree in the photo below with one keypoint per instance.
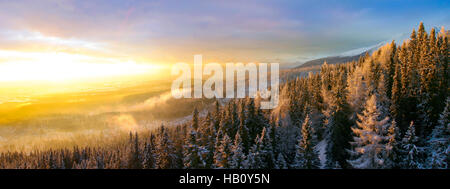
x,y
165,151
392,147
192,152
338,123
238,158
440,141
306,157
135,159
369,143
149,158
223,156
410,152
265,155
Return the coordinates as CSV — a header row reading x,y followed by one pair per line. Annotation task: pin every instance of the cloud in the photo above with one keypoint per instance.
x,y
170,30
37,37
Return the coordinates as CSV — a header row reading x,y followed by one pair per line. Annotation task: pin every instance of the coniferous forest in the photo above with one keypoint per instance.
x,y
387,110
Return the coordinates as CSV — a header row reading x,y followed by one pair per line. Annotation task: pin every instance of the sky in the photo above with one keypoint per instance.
x,y
168,31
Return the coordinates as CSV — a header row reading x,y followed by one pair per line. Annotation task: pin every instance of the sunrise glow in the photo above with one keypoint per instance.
x,y
60,66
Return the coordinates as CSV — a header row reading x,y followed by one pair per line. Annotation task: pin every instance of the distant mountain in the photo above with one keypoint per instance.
x,y
330,60
354,54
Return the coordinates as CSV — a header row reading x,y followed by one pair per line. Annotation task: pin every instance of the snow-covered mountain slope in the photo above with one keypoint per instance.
x,y
354,54
399,39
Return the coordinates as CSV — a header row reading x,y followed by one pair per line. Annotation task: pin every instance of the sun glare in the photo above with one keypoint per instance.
x,y
57,67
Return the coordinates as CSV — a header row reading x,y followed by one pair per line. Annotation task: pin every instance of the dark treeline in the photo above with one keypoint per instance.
x,y
386,110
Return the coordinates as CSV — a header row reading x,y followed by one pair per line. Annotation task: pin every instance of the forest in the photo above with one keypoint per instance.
x,y
387,110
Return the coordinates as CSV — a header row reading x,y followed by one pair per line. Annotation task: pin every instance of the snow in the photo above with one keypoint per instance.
x,y
321,149
398,40
358,51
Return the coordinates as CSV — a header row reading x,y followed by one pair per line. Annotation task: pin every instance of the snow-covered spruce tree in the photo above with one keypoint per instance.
x,y
235,121
165,151
439,143
217,154
238,159
208,141
223,155
100,161
357,90
243,130
260,155
337,113
369,143
392,146
180,133
395,108
410,152
192,152
135,159
281,162
149,158
252,157
217,115
265,150
226,121
195,121
306,157
254,120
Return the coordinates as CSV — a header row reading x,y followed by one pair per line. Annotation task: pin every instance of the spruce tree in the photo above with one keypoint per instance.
x,y
410,152
392,147
439,143
369,148
149,154
266,155
217,146
165,151
134,159
238,159
281,162
338,123
306,157
223,157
